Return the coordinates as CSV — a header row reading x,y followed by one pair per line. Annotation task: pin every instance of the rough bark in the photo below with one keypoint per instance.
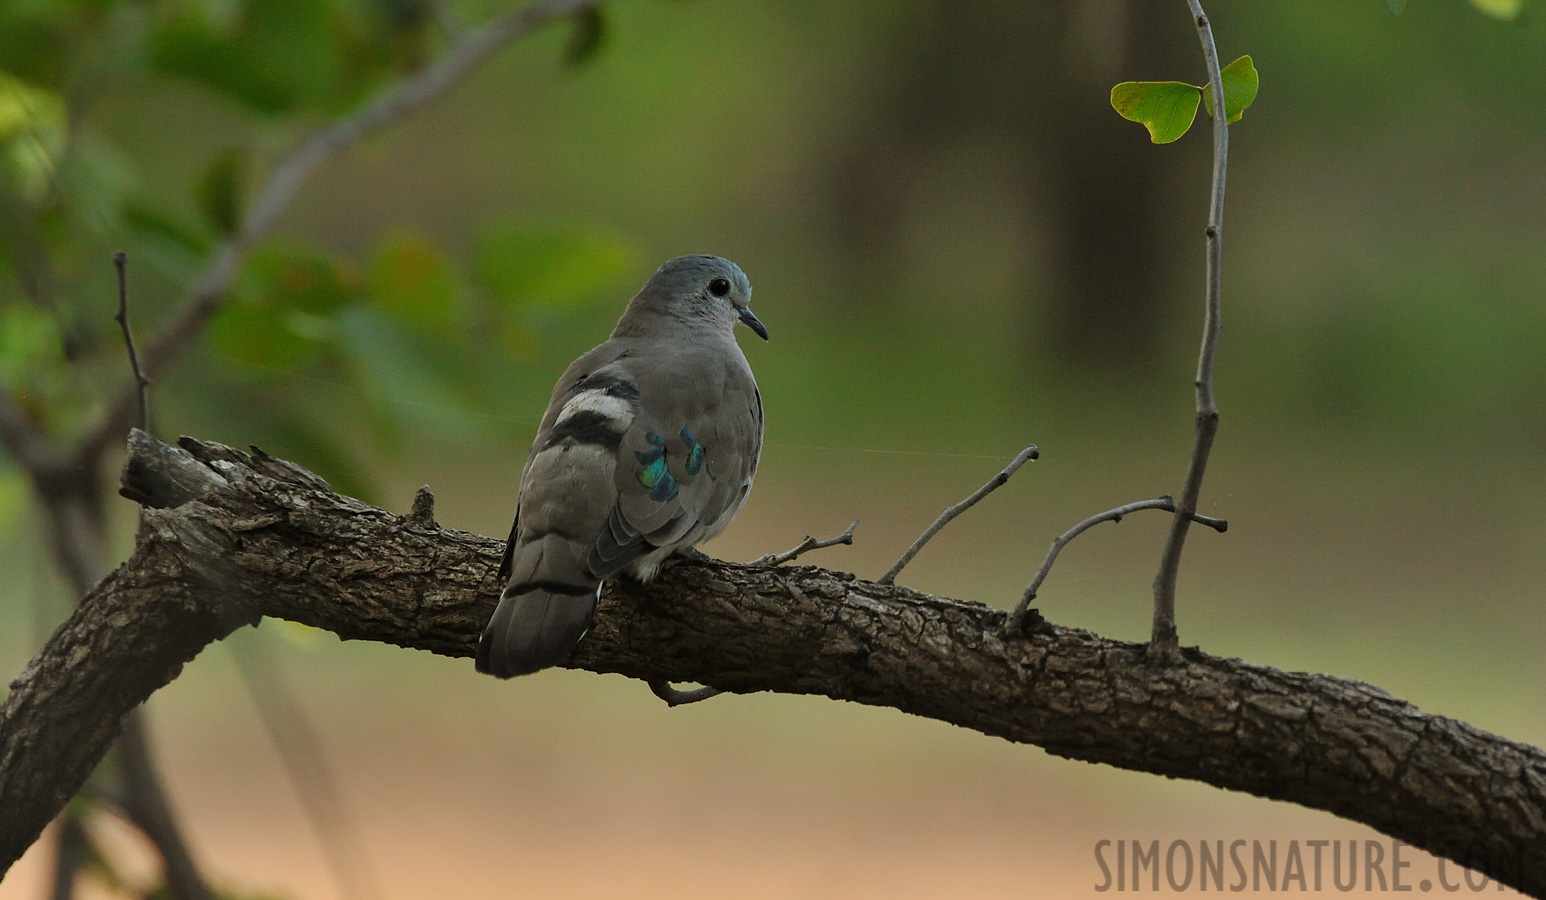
x,y
228,538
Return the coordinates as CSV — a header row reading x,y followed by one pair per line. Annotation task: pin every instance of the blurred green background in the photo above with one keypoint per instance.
x,y
958,247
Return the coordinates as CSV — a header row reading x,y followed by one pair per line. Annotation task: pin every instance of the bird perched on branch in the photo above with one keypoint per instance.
x,y
648,447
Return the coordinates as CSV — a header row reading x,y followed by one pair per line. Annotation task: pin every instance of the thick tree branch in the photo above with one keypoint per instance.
x,y
235,537
468,52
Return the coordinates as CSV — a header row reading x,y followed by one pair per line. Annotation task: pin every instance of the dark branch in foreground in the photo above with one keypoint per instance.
x,y
994,483
231,538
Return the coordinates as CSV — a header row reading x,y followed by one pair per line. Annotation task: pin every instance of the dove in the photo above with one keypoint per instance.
x,y
648,447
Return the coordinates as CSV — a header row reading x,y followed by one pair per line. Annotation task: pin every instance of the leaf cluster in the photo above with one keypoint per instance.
x,y
1168,108
403,334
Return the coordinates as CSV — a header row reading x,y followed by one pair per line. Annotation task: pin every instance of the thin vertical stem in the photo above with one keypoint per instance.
x,y
1165,641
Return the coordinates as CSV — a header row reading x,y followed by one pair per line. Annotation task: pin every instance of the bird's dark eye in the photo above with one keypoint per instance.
x,y
719,287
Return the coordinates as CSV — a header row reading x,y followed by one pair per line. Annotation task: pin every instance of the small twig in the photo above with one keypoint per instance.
x,y
1164,640
1167,503
674,697
423,509
121,263
263,216
994,483
806,546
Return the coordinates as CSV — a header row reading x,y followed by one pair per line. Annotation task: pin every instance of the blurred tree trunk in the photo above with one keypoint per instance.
x,y
1035,79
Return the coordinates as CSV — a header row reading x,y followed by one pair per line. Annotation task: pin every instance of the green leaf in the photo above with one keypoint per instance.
x,y
1240,85
590,33
399,378
32,135
303,279
262,342
1396,6
219,190
191,49
1166,108
145,220
411,279
36,40
1507,10
30,342
554,269
26,108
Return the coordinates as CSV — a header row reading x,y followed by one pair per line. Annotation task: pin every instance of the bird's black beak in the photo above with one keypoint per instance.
x,y
751,321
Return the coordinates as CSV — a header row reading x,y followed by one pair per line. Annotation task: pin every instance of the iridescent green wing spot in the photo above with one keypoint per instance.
x,y
694,452
654,475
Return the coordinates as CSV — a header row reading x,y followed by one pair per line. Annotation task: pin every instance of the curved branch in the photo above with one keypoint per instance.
x,y
233,537
263,216
1016,624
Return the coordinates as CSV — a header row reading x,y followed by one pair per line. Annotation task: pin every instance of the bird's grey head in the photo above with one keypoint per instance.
x,y
701,288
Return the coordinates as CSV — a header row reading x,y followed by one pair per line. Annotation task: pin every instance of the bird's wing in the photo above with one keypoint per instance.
x,y
686,460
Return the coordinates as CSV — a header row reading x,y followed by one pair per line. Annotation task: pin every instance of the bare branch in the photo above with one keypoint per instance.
x,y
145,803
994,483
806,546
259,538
121,263
266,211
1016,623
673,697
1164,640
72,849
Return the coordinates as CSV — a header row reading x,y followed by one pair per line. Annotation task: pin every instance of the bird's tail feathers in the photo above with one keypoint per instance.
x,y
535,629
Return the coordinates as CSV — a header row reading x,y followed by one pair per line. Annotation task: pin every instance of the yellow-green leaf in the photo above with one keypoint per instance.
x,y
549,268
411,279
1240,85
1500,9
30,342
303,279
260,342
32,135
1166,108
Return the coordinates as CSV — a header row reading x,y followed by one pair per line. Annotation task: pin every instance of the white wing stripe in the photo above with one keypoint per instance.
x,y
601,403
